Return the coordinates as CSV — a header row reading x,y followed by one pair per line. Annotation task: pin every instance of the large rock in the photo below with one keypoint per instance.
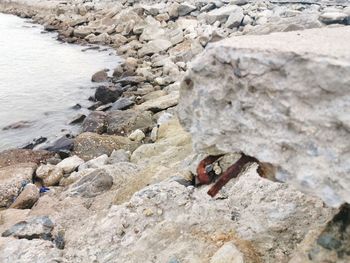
x,y
12,180
282,98
91,145
107,94
49,174
16,156
27,197
124,122
95,122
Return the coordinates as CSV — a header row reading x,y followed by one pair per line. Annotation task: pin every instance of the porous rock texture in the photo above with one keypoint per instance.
x,y
283,98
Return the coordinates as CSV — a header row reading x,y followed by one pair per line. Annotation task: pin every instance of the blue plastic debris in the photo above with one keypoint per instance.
x,y
44,189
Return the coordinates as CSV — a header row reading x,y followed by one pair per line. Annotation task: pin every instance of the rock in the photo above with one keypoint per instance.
x,y
17,156
34,143
35,228
103,38
137,135
335,17
107,94
92,184
12,179
161,103
154,46
95,163
228,253
50,174
69,164
82,32
185,8
174,10
222,14
235,19
27,197
122,104
18,125
78,119
119,156
61,145
100,76
90,145
75,176
154,134
95,122
124,122
132,80
302,128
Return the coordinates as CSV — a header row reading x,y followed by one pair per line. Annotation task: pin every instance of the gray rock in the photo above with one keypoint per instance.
x,y
335,17
107,94
94,163
78,119
69,164
221,14
119,156
92,184
235,18
131,80
27,197
82,32
185,9
100,76
281,98
50,174
95,122
154,46
122,104
35,228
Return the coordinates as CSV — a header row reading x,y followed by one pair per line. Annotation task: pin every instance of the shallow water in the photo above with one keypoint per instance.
x,y
41,79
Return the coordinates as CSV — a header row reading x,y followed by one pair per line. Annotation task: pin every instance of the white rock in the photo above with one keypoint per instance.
x,y
137,135
95,163
235,18
228,253
69,164
221,14
154,46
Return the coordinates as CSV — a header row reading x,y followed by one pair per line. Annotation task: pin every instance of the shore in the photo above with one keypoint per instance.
x,y
132,186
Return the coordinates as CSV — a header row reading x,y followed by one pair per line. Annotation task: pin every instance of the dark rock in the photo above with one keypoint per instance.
x,y
104,107
328,241
35,228
16,156
63,144
76,107
132,80
95,105
93,184
59,240
107,94
34,143
50,28
100,76
124,122
78,119
18,125
122,104
95,122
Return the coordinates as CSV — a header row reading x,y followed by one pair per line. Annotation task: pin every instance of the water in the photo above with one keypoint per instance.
x,y
41,79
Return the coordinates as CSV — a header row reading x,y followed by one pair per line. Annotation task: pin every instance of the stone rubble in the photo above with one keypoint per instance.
x,y
198,78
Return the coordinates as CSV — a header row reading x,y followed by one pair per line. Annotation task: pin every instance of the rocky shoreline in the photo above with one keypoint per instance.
x,y
130,187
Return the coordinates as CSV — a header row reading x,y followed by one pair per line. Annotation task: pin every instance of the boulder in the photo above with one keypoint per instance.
x,y
100,76
50,174
107,94
12,179
95,122
17,156
91,145
282,98
124,122
27,197
34,228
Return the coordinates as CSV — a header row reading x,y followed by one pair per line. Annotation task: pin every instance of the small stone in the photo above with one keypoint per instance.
x,y
78,119
119,156
148,212
122,104
100,76
27,197
154,134
137,135
50,174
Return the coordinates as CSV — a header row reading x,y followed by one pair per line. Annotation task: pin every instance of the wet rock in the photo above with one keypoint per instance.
x,y
122,104
100,76
91,145
12,180
78,119
50,174
278,129
34,143
95,122
17,156
76,107
161,103
124,122
27,197
107,94
18,125
92,184
35,228
137,135
69,164
61,146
